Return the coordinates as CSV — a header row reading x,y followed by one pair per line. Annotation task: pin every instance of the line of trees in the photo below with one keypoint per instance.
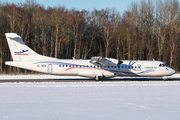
x,y
145,31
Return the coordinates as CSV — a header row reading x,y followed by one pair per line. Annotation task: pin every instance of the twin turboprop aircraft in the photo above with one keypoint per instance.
x,y
97,67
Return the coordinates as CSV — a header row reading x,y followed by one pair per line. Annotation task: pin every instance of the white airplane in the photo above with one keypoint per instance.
x,y
96,67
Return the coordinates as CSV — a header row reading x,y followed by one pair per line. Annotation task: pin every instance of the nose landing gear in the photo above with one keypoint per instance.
x,y
164,78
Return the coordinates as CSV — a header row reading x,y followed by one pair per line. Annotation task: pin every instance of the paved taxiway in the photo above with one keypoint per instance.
x,y
88,80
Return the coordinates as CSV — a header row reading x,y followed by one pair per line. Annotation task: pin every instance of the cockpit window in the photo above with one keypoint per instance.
x,y
162,65
165,64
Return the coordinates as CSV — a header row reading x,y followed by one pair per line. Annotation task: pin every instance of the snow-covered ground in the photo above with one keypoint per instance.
x,y
139,100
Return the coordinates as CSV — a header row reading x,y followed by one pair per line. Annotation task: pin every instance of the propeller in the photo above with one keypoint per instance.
x,y
119,59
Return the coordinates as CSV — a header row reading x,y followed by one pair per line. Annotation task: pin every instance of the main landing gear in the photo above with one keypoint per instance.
x,y
98,77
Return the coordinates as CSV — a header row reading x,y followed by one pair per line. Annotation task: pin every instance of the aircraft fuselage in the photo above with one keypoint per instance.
x,y
87,69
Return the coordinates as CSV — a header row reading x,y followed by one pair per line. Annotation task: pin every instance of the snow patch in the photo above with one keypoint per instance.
x,y
139,100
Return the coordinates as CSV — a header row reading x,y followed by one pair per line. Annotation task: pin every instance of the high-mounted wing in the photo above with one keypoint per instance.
x,y
98,60
104,61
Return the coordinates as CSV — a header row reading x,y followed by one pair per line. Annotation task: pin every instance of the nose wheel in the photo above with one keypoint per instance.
x,y
164,78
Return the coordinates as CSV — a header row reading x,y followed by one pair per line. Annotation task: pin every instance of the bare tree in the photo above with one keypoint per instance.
x,y
90,33
77,24
173,26
105,20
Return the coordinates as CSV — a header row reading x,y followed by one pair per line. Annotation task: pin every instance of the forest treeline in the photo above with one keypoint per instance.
x,y
147,30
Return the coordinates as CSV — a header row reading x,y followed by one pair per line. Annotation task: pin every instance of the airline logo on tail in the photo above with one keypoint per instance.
x,y
24,52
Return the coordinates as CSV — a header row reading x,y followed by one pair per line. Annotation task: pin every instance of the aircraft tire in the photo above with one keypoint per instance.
x,y
97,78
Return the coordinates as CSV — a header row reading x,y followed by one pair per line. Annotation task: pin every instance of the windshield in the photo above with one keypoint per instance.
x,y
162,65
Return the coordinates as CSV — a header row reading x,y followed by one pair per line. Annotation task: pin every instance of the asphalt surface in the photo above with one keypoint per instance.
x,y
87,80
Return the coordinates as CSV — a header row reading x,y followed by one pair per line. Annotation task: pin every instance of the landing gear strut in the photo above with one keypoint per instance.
x,y
164,78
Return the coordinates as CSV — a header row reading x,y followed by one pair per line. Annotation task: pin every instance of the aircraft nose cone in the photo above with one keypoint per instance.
x,y
173,71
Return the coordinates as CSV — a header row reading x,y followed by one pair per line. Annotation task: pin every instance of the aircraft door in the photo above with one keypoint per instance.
x,y
139,67
118,67
49,68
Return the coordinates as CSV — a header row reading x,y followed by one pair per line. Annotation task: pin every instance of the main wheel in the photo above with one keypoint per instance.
x,y
97,78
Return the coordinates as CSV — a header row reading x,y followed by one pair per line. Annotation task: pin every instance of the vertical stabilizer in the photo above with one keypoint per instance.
x,y
19,50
